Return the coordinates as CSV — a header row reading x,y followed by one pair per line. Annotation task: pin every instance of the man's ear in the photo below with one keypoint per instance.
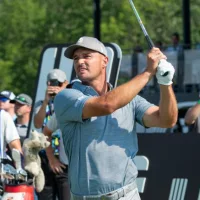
x,y
30,108
105,61
65,83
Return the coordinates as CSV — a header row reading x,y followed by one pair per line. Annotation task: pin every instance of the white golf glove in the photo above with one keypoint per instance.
x,y
164,67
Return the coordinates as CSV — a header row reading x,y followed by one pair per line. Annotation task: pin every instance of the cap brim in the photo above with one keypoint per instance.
x,y
21,102
4,96
12,101
70,50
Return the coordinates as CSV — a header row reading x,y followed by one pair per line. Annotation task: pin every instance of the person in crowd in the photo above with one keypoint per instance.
x,y
176,45
57,158
8,134
159,45
7,102
44,109
192,118
98,122
23,104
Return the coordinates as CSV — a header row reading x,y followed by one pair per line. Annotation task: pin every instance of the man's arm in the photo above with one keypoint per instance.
x,y
123,94
40,115
192,114
54,162
10,133
164,116
15,144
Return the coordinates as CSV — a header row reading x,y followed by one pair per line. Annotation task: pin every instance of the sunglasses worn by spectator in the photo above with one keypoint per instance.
x,y
3,99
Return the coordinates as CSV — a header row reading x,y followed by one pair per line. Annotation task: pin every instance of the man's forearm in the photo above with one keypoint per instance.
x,y
49,149
116,98
168,110
39,117
128,90
15,144
192,114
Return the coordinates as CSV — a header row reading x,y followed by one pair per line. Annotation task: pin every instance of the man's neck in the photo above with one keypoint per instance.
x,y
23,120
101,89
11,112
100,84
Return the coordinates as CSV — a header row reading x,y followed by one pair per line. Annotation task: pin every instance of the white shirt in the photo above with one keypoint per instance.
x,y
53,126
8,130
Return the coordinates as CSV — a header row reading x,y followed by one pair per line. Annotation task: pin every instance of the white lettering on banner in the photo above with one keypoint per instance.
x,y
178,189
142,163
14,196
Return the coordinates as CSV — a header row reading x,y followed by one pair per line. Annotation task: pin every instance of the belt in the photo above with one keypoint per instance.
x,y
115,195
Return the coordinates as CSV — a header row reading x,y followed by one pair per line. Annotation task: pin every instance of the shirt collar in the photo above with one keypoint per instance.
x,y
88,89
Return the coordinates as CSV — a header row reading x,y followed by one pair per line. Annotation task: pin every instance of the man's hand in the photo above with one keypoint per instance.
x,y
164,67
153,58
51,91
56,166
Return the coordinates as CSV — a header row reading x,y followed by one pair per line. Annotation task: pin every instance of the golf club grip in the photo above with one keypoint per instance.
x,y
149,41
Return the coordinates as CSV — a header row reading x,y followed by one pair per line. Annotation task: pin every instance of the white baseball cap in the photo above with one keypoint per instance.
x,y
88,43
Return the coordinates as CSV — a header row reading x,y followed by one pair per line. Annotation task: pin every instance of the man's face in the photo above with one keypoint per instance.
x,y
88,64
5,103
175,39
22,109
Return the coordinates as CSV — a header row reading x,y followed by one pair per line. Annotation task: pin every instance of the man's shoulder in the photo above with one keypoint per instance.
x,y
5,114
38,103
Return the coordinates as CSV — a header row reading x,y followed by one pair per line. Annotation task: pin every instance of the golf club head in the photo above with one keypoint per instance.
x,y
9,172
18,159
9,169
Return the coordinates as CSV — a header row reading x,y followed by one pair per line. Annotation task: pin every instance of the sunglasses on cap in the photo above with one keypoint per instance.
x,y
22,99
3,99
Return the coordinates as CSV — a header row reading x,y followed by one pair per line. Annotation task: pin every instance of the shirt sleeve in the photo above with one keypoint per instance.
x,y
68,105
10,131
52,123
37,107
141,105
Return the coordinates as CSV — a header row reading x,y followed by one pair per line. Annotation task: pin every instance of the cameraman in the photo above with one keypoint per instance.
x,y
56,81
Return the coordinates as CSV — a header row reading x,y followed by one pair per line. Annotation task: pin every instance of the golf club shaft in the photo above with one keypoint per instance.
x,y
149,41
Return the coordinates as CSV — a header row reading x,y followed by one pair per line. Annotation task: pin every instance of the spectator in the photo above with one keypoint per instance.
x,y
8,134
138,49
56,81
7,103
23,103
58,160
192,117
98,122
176,46
159,45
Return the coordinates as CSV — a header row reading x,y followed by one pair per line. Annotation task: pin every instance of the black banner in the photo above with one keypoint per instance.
x,y
174,166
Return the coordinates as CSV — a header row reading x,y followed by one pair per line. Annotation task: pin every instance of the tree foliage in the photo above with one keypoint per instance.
x,y
26,26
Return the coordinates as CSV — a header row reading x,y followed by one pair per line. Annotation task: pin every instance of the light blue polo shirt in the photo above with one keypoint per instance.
x,y
100,149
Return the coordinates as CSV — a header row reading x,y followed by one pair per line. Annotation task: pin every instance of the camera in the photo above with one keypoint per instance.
x,y
54,83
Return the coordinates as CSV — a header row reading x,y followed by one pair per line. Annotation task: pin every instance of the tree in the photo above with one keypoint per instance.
x,y
27,26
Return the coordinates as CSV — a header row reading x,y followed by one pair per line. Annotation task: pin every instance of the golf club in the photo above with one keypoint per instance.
x,y
149,41
17,157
